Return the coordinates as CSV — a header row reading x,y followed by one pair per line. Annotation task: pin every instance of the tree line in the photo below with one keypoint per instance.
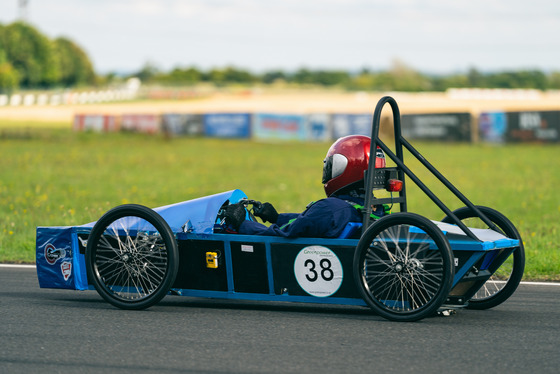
x,y
399,77
30,60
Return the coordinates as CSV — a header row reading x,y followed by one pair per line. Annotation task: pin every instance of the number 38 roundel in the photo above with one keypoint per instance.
x,y
318,271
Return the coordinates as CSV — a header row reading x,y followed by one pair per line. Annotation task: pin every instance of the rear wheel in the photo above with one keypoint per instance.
x,y
507,269
403,267
132,257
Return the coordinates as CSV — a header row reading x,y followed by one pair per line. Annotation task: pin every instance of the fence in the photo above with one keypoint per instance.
x,y
128,91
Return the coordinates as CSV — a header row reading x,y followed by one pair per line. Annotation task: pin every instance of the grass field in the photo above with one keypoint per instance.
x,y
58,178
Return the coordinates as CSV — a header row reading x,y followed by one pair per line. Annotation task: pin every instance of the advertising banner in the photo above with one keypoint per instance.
x,y
492,127
144,123
533,126
351,124
95,122
437,126
317,127
182,124
227,125
279,126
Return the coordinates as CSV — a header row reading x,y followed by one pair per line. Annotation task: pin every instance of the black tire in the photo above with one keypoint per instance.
x,y
506,277
132,257
403,267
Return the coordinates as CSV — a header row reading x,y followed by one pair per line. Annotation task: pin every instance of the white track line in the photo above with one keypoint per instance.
x,y
21,266
26,266
541,283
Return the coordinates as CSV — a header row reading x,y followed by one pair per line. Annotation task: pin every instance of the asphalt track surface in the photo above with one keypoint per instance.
x,y
62,331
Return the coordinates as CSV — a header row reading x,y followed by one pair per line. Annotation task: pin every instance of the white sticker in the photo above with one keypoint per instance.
x,y
246,248
318,271
66,268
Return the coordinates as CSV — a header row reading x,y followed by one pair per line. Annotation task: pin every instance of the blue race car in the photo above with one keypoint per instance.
x,y
403,266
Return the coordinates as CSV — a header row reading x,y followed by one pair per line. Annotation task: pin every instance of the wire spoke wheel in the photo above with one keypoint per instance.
x,y
403,267
132,257
507,270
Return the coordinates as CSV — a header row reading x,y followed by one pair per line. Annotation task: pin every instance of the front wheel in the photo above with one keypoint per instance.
x,y
508,271
132,257
403,267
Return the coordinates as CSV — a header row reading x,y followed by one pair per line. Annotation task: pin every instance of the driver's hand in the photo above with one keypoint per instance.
x,y
266,212
235,215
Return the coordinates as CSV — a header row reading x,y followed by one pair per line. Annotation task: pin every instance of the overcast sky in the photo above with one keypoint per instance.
x,y
434,36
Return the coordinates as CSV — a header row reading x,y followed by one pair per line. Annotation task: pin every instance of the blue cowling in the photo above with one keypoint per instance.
x,y
199,215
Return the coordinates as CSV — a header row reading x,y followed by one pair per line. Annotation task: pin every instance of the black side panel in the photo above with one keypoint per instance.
x,y
193,273
249,267
283,259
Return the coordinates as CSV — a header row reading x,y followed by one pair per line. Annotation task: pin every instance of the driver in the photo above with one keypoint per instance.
x,y
343,178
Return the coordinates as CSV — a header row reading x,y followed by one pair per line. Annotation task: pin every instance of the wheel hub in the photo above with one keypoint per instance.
x,y
412,264
399,267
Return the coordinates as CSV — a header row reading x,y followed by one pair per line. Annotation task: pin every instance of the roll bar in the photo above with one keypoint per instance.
x,y
372,175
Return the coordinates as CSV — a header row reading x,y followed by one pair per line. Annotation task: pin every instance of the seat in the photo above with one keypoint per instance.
x,y
350,229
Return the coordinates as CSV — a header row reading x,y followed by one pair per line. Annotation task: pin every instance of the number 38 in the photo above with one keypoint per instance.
x,y
326,272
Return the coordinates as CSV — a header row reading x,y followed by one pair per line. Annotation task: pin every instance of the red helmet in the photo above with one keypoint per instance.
x,y
347,161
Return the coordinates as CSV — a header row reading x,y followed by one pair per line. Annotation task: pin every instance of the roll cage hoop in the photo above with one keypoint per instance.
x,y
378,178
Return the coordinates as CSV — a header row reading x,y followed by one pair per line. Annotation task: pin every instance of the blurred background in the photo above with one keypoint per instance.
x,y
314,57
431,37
